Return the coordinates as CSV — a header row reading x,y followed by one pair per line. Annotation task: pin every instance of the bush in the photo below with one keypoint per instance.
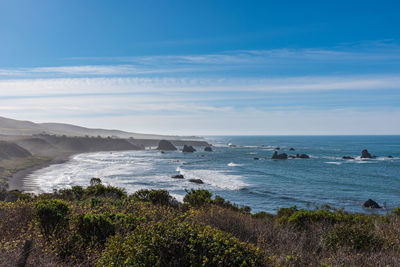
x,y
219,201
51,214
396,211
197,198
95,181
95,227
161,197
100,190
179,244
74,193
355,237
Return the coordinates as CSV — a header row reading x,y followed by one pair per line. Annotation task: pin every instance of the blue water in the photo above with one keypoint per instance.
x,y
265,184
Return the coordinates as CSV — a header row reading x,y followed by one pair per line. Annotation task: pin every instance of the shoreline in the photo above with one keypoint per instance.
x,y
17,180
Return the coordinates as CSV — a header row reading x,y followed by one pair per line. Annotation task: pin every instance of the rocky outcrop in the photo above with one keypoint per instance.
x,y
370,204
347,157
256,158
178,176
166,145
208,149
188,149
279,156
196,181
390,157
291,149
302,156
365,154
277,148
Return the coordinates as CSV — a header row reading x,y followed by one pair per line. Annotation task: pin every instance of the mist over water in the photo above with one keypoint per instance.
x,y
233,173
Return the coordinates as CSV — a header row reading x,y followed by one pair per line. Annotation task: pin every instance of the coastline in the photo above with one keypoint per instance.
x,y
17,181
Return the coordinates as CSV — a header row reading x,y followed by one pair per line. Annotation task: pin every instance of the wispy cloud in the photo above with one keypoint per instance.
x,y
43,87
219,63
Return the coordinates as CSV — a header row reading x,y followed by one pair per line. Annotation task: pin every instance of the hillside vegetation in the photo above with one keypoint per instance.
x,y
104,226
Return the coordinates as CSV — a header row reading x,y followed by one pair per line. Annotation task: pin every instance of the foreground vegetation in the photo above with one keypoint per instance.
x,y
103,226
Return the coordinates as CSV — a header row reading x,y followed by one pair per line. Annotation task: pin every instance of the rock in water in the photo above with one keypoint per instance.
x,y
347,157
178,176
196,181
370,204
279,156
256,158
208,149
302,156
166,145
390,157
188,149
291,149
365,154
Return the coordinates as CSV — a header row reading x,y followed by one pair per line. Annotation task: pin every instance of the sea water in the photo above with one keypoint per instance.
x,y
232,172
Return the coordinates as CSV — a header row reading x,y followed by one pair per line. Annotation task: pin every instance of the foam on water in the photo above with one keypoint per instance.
x,y
334,162
215,178
231,164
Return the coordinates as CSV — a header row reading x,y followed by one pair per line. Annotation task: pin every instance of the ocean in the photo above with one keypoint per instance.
x,y
233,173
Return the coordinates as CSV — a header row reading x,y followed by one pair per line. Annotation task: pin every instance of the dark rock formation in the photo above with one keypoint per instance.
x,y
347,157
188,149
291,149
166,145
178,176
208,149
279,156
291,157
196,181
370,204
256,158
277,148
302,156
390,157
365,154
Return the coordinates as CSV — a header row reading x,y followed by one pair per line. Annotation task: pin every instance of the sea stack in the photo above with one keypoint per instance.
x,y
208,149
166,145
370,204
188,149
365,154
279,156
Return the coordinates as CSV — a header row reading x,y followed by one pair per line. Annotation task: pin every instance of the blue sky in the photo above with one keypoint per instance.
x,y
203,67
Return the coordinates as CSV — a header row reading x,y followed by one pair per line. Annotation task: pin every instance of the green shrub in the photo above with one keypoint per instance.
x,y
262,215
100,190
179,244
161,197
396,211
219,201
95,227
126,222
357,237
74,193
197,198
51,214
95,181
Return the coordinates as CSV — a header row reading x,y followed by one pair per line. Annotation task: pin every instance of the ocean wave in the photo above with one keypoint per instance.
x,y
214,178
231,164
333,162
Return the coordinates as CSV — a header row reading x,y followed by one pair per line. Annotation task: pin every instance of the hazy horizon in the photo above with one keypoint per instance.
x,y
203,68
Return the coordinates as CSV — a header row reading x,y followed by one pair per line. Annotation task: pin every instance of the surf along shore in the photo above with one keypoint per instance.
x,y
22,155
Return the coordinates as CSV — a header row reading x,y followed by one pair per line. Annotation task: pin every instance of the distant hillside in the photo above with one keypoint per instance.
x,y
17,127
10,150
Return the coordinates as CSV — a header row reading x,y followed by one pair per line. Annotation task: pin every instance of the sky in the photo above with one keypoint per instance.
x,y
207,67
